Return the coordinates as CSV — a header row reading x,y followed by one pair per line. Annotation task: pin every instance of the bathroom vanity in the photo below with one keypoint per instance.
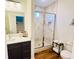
x,y
19,49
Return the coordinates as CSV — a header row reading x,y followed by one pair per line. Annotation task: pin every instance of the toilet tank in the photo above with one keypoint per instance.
x,y
68,46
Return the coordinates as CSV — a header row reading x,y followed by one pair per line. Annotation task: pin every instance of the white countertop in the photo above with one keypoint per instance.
x,y
16,39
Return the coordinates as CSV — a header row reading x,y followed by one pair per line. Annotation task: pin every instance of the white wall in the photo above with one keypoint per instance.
x,y
52,8
65,14
39,9
6,52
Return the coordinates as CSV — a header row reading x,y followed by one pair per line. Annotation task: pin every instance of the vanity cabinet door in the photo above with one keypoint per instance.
x,y
19,50
14,51
26,50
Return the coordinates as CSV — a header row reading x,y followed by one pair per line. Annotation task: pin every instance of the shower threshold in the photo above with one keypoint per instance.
x,y
39,49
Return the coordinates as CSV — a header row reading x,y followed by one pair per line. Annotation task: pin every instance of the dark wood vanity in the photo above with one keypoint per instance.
x,y
19,50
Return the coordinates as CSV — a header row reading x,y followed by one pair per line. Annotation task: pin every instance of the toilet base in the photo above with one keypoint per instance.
x,y
65,54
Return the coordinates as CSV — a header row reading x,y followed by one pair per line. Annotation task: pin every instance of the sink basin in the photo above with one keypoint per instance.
x,y
10,39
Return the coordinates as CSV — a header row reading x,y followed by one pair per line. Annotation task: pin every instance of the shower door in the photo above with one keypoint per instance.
x,y
49,28
38,28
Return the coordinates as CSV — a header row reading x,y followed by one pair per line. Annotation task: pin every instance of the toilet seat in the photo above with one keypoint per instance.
x,y
66,54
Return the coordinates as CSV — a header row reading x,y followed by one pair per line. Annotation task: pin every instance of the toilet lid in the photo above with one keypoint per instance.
x,y
65,53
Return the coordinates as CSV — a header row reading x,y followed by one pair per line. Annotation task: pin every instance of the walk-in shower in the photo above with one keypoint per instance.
x,y
44,28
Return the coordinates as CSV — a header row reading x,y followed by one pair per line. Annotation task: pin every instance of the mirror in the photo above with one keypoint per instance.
x,y
14,17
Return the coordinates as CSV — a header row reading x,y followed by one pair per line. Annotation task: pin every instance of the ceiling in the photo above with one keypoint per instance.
x,y
40,3
44,3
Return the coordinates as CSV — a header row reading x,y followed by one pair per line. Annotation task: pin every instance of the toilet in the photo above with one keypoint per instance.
x,y
65,54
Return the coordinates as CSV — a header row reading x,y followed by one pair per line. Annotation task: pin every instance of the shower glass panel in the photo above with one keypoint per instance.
x,y
38,27
49,28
